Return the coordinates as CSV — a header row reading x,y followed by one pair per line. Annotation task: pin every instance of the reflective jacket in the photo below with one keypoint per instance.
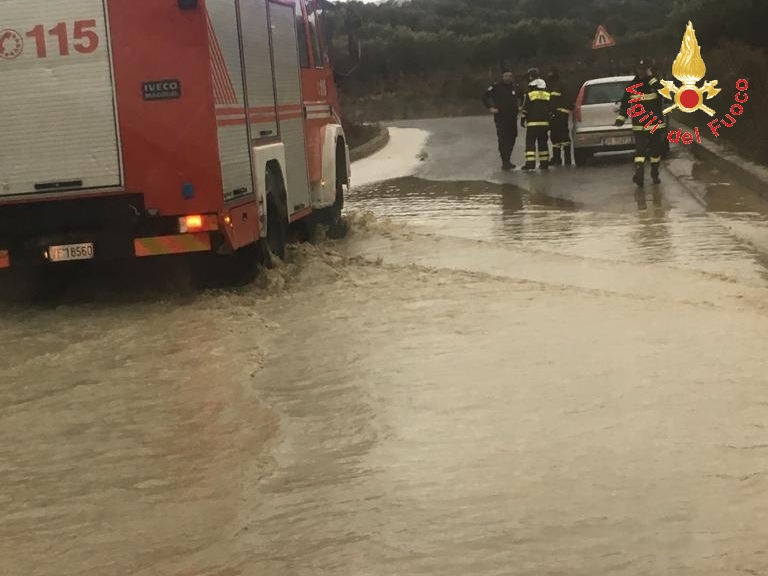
x,y
537,106
651,101
560,99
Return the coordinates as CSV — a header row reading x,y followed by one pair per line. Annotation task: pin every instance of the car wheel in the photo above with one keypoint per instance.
x,y
581,156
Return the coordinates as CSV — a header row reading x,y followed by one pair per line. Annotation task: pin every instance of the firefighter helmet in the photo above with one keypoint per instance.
x,y
645,63
533,73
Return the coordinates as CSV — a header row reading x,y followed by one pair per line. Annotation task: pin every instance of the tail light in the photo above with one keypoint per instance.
x,y
577,105
198,223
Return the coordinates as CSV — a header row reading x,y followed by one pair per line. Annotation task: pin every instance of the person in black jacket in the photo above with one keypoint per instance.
x,y
501,100
559,126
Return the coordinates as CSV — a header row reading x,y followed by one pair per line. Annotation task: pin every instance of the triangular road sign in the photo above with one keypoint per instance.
x,y
602,39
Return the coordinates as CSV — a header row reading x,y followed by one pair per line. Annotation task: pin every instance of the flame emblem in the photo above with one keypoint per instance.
x,y
689,68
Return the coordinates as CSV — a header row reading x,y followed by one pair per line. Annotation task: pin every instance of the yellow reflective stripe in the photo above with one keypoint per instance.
x,y
655,159
177,244
556,93
639,159
638,128
538,123
538,95
652,81
564,110
622,118
650,96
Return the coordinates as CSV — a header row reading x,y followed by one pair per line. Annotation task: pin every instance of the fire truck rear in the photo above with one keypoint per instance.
x,y
135,129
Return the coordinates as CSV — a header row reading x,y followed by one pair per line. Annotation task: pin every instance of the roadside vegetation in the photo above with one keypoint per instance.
x,y
428,58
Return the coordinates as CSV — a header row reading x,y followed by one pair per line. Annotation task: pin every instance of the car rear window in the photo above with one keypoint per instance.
x,y
607,93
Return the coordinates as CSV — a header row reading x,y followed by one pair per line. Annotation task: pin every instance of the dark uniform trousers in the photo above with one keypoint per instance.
x,y
561,138
506,132
537,135
649,145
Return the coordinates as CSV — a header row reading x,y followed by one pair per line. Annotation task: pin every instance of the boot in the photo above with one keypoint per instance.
x,y
655,173
639,176
530,160
544,165
567,154
556,159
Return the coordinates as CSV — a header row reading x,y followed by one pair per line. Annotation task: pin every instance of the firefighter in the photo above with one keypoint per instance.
x,y
649,144
501,100
534,118
559,124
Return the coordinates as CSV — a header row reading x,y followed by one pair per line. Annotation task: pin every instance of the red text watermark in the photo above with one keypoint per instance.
x,y
639,110
736,109
678,135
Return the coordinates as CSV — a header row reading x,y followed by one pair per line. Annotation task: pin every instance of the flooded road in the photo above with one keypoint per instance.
x,y
493,374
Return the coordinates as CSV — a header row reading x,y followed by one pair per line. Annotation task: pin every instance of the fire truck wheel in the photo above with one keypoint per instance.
x,y
221,271
331,216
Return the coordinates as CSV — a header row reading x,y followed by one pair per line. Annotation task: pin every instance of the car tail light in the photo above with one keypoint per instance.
x,y
577,105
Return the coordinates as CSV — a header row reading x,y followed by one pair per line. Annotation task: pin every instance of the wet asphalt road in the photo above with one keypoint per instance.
x,y
494,374
696,218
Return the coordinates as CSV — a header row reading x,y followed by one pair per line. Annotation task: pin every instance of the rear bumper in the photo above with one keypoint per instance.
x,y
600,139
116,226
105,247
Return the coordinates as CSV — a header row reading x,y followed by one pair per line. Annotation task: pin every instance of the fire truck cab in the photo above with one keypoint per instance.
x,y
135,129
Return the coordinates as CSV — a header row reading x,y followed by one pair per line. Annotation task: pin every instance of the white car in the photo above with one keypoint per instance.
x,y
594,114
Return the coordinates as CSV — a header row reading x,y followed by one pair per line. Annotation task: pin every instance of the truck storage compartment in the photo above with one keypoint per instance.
x,y
57,103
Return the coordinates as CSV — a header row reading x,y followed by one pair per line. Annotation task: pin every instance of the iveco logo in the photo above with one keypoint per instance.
x,y
162,89
162,86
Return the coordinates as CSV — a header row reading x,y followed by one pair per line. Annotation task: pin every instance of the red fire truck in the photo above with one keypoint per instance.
x,y
134,129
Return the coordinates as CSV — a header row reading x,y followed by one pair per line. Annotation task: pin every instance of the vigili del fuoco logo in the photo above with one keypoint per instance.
x,y
689,69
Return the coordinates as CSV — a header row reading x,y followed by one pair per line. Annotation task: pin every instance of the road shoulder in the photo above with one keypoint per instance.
x,y
375,144
720,156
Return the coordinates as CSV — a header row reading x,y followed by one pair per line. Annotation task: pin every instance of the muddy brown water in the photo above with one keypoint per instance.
x,y
481,379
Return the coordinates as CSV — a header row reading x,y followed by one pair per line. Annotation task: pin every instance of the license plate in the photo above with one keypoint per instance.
x,y
68,252
618,141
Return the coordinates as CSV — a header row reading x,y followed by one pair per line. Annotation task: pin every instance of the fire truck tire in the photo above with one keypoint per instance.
x,y
41,284
222,271
331,216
